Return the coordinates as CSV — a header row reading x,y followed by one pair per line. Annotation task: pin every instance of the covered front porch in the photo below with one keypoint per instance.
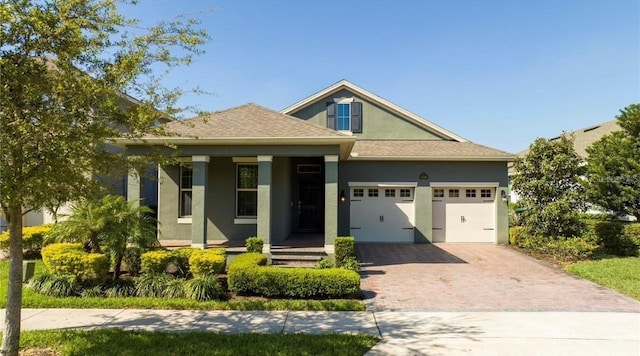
x,y
291,202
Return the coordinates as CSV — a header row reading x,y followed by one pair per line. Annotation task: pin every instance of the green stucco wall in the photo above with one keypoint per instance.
x,y
220,211
377,123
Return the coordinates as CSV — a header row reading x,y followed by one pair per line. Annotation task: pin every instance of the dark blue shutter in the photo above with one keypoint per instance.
x,y
331,116
356,117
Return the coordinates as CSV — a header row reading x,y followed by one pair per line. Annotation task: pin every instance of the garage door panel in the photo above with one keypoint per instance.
x,y
382,218
464,216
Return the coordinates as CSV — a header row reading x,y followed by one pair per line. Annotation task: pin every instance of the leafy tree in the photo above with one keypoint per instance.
x,y
64,66
548,181
108,225
613,166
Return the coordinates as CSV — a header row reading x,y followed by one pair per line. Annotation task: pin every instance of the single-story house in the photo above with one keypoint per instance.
x,y
341,162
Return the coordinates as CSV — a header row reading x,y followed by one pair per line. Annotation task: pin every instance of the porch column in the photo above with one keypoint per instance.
x,y
264,202
199,201
330,202
424,214
502,215
134,189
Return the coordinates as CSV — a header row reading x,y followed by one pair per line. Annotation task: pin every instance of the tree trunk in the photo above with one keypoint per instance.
x,y
117,267
11,335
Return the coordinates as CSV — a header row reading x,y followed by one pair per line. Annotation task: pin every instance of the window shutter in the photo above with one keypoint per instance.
x,y
331,115
356,117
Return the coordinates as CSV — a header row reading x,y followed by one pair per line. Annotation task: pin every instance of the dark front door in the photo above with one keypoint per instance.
x,y
310,203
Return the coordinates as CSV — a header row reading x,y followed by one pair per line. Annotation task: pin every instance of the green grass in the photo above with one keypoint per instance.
x,y
119,342
621,274
30,299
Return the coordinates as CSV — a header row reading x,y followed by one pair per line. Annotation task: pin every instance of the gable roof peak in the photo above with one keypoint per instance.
x,y
345,84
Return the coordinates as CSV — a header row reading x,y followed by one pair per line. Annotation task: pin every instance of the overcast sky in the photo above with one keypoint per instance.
x,y
499,73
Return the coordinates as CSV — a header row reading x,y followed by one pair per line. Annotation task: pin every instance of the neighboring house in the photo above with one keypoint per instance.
x,y
582,139
342,162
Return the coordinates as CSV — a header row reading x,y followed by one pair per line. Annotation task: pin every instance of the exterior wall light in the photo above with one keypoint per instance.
x,y
343,198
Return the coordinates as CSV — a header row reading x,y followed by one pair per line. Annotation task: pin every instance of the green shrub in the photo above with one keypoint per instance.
x,y
32,237
345,247
133,260
242,271
70,260
516,235
351,263
155,262
37,282
174,289
205,262
121,288
247,276
254,244
180,258
60,287
570,249
91,292
203,288
324,264
152,284
616,237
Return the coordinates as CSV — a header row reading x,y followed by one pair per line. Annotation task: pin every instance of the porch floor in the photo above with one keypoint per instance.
x,y
298,242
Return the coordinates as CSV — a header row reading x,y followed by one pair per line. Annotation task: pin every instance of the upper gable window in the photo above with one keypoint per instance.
x,y
344,114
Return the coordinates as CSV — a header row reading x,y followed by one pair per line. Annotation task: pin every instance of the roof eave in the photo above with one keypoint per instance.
x,y
433,158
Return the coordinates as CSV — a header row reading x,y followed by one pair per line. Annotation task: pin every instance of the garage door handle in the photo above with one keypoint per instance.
x,y
356,228
407,228
488,228
463,219
381,218
437,228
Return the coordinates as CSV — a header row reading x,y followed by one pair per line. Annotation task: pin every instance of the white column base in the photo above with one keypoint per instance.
x,y
202,246
266,248
329,249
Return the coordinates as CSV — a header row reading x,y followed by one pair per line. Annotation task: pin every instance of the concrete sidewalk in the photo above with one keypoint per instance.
x,y
401,333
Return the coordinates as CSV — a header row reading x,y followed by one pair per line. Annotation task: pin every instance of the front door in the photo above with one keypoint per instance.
x,y
310,194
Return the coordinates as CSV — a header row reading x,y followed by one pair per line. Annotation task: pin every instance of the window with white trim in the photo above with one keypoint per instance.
x,y
405,193
390,193
373,192
470,193
186,190
247,190
485,193
454,193
358,192
438,193
344,114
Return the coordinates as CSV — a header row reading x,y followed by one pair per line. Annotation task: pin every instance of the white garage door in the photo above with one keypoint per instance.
x,y
463,214
382,214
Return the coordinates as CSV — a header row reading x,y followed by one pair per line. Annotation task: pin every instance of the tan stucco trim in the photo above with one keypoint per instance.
x,y
344,84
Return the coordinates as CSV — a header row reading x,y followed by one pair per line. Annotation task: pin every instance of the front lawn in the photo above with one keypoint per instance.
x,y
621,274
119,342
31,299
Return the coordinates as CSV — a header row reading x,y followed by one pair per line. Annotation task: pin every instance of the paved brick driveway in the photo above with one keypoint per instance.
x,y
475,277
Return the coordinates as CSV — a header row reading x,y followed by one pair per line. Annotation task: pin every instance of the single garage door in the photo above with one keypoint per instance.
x,y
382,214
464,214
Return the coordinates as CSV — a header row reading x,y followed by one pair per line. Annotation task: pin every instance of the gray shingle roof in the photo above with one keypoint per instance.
x,y
249,121
585,137
427,150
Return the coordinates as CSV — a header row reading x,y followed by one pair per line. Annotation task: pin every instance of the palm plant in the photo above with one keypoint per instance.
x,y
109,225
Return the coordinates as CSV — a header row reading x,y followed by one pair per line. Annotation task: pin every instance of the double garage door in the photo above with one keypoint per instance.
x,y
387,214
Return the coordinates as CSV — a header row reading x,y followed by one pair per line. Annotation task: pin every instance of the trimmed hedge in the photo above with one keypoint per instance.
x,y
206,262
248,275
345,248
180,258
155,261
616,237
254,244
32,237
70,260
